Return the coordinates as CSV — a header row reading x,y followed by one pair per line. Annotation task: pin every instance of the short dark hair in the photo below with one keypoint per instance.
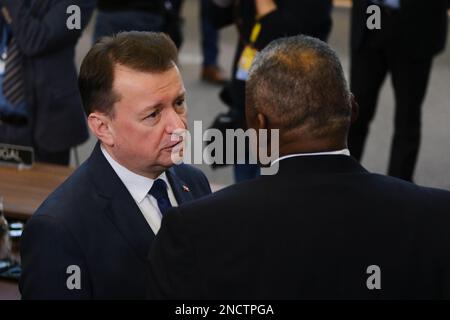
x,y
298,82
141,51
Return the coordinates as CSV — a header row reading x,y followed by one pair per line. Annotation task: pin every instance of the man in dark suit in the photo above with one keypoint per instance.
x,y
90,238
412,33
323,226
40,105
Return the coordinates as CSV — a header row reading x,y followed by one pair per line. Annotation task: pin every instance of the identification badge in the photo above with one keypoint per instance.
x,y
245,62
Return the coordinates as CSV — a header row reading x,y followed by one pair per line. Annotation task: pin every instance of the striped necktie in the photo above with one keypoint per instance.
x,y
13,81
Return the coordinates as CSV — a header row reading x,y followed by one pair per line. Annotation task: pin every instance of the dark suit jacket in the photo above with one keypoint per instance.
x,y
48,46
421,30
92,221
309,232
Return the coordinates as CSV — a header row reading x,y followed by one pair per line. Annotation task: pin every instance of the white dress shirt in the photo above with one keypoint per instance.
x,y
344,152
138,186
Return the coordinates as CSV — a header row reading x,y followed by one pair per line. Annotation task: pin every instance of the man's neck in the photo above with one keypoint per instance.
x,y
310,146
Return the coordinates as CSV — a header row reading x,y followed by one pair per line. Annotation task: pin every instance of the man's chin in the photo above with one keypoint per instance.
x,y
170,160
154,170
173,155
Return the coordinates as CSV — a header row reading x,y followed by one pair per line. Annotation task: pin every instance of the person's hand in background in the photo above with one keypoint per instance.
x,y
264,7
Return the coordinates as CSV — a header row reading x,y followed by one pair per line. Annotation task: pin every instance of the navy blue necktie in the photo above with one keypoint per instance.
x,y
159,191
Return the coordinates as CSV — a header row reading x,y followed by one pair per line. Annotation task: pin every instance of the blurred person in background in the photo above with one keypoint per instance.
x,y
258,23
412,33
40,105
211,72
139,15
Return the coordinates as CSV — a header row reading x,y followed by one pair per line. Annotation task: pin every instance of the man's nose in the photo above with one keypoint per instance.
x,y
175,121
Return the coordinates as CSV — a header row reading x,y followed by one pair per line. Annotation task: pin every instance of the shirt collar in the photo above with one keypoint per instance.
x,y
344,152
137,185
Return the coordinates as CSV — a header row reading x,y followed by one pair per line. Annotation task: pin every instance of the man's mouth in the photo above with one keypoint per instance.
x,y
173,144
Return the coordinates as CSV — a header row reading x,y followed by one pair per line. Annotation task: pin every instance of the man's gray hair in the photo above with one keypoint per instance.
x,y
298,83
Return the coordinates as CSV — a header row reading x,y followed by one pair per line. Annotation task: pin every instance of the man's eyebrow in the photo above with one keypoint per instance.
x,y
159,104
181,95
151,107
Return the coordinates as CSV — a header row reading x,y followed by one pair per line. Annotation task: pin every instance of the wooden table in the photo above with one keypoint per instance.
x,y
24,190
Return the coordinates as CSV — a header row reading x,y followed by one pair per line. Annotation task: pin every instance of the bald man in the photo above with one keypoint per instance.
x,y
323,226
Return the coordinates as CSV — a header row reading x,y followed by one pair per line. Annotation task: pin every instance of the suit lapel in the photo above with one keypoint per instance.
x,y
129,220
121,210
180,189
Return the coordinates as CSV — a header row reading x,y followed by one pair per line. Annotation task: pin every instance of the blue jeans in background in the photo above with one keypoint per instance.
x,y
209,37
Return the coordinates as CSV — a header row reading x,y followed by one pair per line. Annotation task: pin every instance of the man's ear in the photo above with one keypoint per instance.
x,y
255,119
100,125
355,108
261,121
